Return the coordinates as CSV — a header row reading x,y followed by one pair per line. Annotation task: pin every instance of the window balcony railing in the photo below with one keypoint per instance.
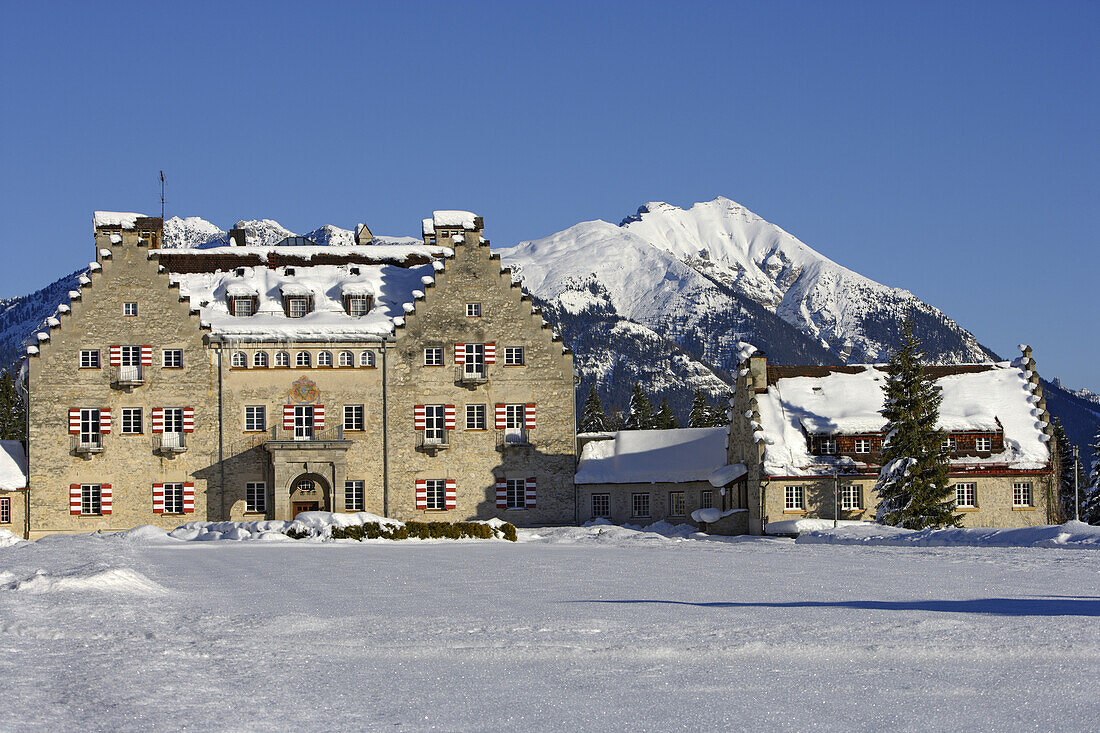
x,y
512,438
433,441
467,374
169,444
305,434
127,376
86,444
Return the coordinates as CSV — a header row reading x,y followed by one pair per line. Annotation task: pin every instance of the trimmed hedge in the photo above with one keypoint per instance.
x,y
425,531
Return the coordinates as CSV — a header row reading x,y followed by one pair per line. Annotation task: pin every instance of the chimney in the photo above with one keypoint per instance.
x,y
362,234
237,238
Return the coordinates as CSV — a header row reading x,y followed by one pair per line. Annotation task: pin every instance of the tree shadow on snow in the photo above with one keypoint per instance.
x,y
1049,606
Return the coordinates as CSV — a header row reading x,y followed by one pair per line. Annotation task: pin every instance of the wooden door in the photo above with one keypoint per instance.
x,y
304,506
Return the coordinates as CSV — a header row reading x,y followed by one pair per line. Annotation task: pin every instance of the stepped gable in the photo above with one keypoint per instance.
x,y
935,371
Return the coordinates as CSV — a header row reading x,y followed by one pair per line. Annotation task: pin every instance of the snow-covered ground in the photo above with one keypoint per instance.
x,y
573,628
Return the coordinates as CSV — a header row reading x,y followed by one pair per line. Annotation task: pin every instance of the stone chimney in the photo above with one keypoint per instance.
x,y
237,238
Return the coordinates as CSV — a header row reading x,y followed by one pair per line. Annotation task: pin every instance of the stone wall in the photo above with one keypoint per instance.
x,y
621,498
17,501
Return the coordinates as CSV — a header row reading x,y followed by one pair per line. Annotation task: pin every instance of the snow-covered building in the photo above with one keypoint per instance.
x,y
259,380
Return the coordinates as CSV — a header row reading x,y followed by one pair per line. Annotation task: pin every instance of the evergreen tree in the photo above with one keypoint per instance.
x,y
13,412
665,419
593,419
1066,493
700,413
640,413
913,484
1090,496
716,415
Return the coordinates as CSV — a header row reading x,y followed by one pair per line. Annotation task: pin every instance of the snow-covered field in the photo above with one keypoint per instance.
x,y
580,628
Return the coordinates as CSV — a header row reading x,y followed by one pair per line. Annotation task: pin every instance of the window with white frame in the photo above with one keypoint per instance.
x,y
1021,494
302,359
346,359
366,358
793,499
863,445
173,420
826,446
89,358
353,417
259,359
437,493
601,505
476,417
91,499
515,429
851,497
435,432
303,422
131,356
950,444
433,356
5,510
282,359
239,360
353,496
324,359
255,496
639,505
983,444
297,307
474,362
131,420
513,356
129,309
676,506
517,493
966,495
171,358
173,498
242,307
473,310
358,305
255,418
90,436
706,499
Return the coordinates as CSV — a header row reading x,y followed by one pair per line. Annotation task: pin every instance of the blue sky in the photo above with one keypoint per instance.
x,y
948,148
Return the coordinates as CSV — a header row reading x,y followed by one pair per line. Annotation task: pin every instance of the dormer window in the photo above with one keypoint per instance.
x,y
297,307
241,307
950,444
288,271
357,305
983,444
863,445
826,446
240,272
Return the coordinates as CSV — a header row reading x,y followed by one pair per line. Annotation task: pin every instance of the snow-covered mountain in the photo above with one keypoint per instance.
x,y
197,232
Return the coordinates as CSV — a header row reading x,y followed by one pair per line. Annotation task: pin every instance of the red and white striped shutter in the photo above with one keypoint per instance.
x,y
421,494
288,417
529,416
530,494
147,356
74,498
158,420
501,417
74,420
460,353
188,498
104,420
189,419
490,353
318,417
158,498
449,417
105,499
502,493
419,421
452,493
116,355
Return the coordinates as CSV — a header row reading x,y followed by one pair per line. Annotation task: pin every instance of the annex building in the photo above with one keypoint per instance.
x,y
249,382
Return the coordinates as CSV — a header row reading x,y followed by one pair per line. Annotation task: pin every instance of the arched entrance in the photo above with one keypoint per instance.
x,y
310,492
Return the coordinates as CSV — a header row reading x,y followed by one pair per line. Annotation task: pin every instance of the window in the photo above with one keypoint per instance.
x,y
302,359
826,446
353,496
255,496
676,504
324,358
131,420
366,358
288,270
966,495
515,430
173,498
601,505
1021,494
5,510
239,360
303,422
474,363
241,307
297,307
353,417
793,499
863,445
434,430
517,493
433,356
131,356
129,309
259,359
173,419
513,356
640,505
91,499
473,310
476,417
358,305
437,493
346,359
171,358
89,429
851,497
950,444
706,499
89,358
983,444
255,418
282,359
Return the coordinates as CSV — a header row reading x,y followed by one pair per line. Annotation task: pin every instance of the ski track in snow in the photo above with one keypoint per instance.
x,y
575,628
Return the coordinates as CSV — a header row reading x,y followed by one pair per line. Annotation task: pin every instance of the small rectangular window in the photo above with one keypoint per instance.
x,y
89,358
676,506
601,505
517,493
851,497
173,498
358,305
433,356
435,425
242,307
863,445
297,307
172,358
706,499
793,499
129,309
255,496
473,310
983,444
640,505
91,498
950,444
1021,494
437,493
966,495
173,419
5,510
353,417
476,417
826,446
515,424
255,418
353,496
131,420
513,356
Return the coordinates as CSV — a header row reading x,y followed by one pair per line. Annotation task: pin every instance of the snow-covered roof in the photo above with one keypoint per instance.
x,y
464,219
848,400
13,465
377,252
120,219
651,456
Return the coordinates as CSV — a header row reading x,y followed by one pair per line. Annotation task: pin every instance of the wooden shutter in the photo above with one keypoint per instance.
x,y
490,353
318,417
104,420
147,356
74,498
105,499
189,419
421,494
529,416
158,498
288,417
116,355
502,493
158,420
449,417
530,493
188,498
74,420
460,353
501,417
419,421
452,493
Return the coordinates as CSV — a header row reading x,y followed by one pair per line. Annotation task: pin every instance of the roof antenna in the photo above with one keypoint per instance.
x,y
162,196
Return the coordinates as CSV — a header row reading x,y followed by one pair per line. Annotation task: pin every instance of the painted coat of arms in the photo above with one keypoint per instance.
x,y
304,389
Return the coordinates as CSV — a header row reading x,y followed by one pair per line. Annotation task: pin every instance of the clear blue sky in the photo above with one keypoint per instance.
x,y
948,148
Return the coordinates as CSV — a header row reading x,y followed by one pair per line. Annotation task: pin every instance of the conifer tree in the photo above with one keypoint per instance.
x,y
700,413
665,419
716,415
913,484
640,413
1090,497
593,419
13,412
1066,490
